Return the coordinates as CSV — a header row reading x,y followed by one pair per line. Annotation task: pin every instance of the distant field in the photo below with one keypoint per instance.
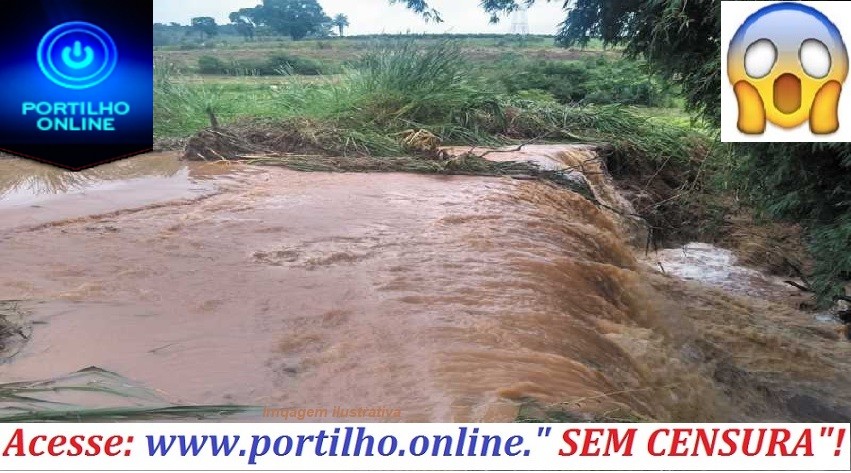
x,y
336,52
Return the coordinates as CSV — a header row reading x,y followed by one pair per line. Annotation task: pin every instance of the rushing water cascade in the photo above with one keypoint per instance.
x,y
442,298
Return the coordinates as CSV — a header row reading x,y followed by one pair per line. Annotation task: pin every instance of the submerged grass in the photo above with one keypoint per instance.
x,y
97,395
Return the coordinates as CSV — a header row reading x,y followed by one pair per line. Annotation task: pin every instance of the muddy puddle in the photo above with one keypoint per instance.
x,y
445,298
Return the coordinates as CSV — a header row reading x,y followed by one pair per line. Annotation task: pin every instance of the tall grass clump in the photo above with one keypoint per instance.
x,y
404,82
181,108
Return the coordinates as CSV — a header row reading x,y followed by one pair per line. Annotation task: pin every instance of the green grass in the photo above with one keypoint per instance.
x,y
406,86
354,121
274,65
600,80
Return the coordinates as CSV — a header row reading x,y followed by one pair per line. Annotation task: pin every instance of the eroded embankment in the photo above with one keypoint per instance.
x,y
448,298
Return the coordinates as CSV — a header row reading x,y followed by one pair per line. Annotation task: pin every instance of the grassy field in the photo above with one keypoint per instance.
x,y
434,85
339,51
281,79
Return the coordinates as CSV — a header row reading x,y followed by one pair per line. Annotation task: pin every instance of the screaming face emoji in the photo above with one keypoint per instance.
x,y
787,64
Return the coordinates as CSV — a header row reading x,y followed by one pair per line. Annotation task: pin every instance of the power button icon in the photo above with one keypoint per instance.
x,y
77,55
86,59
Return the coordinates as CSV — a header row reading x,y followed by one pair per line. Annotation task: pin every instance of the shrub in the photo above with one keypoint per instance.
x,y
286,63
425,85
278,64
211,65
594,80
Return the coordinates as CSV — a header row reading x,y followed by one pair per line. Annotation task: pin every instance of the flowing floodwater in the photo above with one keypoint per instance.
x,y
447,298
718,267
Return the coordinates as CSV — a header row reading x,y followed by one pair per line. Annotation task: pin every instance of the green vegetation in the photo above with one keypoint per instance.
x,y
468,92
597,80
243,23
276,65
401,87
294,18
678,40
125,414
808,183
341,22
206,26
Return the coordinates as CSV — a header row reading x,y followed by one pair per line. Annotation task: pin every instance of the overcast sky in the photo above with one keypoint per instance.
x,y
378,16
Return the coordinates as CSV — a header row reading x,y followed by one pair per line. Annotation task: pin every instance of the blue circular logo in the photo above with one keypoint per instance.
x,y
77,55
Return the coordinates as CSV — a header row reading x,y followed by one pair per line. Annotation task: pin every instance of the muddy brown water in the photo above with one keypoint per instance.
x,y
448,298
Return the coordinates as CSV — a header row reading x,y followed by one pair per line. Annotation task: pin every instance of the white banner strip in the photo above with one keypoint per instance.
x,y
436,447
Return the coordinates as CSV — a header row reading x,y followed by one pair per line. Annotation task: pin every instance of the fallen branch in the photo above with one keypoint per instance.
x,y
518,148
799,286
800,274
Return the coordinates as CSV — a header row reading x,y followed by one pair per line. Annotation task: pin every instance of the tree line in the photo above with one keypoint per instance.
x,y
298,19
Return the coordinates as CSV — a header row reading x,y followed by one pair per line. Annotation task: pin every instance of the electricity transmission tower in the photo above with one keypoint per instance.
x,y
520,21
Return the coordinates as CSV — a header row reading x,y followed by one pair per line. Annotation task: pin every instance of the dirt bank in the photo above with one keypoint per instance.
x,y
448,298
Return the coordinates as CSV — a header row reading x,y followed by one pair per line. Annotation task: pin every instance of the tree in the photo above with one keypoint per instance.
x,y
341,21
206,26
244,22
295,18
324,30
